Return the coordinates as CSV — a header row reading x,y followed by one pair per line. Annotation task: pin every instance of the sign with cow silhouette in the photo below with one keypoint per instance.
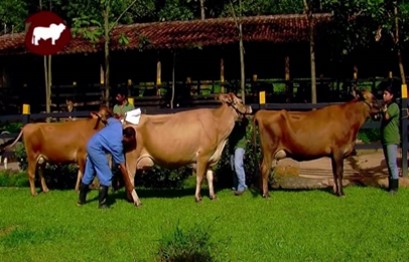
x,y
47,33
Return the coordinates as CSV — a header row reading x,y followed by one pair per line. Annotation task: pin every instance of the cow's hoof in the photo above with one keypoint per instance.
x,y
266,196
46,190
137,204
214,197
198,199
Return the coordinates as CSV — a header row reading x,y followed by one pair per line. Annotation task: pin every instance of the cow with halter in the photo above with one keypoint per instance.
x,y
59,143
330,131
193,137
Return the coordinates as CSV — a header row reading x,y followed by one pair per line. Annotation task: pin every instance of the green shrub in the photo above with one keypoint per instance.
x,y
162,178
369,135
190,245
10,178
12,127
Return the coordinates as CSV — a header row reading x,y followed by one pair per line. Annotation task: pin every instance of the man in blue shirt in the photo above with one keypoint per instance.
x,y
111,139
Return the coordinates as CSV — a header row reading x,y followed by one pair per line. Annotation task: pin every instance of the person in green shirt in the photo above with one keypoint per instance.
x,y
122,105
237,149
390,136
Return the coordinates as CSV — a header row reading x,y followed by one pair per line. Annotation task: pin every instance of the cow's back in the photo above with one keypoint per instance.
x,y
177,139
311,134
59,142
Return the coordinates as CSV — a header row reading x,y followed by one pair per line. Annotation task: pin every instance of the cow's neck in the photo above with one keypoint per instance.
x,y
225,117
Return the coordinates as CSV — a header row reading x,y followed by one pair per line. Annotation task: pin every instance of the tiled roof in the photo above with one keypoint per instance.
x,y
185,34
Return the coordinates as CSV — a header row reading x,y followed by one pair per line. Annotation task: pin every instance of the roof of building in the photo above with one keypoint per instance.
x,y
187,34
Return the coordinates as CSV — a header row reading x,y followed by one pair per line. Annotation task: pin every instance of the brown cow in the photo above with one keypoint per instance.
x,y
63,142
194,137
327,132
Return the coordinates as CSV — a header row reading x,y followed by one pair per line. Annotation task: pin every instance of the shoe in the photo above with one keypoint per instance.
x,y
83,194
103,194
393,186
239,192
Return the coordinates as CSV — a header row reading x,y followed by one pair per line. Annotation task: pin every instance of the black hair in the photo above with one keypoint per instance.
x,y
122,91
390,90
129,132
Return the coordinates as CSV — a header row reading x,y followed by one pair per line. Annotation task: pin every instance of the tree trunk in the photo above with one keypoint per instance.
x,y
309,11
397,44
172,100
242,66
106,54
202,9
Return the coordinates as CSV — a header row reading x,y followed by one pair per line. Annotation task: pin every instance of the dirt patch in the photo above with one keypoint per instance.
x,y
367,168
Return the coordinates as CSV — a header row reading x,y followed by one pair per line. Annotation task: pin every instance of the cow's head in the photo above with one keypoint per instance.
x,y
235,102
102,115
370,100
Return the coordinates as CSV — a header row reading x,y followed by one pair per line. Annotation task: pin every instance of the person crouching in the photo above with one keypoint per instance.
x,y
111,139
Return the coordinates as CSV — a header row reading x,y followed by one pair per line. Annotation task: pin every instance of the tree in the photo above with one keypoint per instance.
x,y
12,15
94,21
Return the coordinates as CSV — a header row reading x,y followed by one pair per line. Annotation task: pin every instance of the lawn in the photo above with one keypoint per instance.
x,y
309,225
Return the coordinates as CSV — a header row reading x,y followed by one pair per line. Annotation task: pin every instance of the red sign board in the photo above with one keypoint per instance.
x,y
47,33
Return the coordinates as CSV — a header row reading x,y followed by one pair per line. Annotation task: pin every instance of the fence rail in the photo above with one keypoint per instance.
x,y
370,124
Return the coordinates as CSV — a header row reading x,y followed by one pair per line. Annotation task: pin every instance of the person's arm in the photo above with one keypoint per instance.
x,y
130,189
385,114
390,111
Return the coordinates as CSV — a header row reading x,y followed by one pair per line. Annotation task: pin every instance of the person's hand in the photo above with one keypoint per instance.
x,y
384,108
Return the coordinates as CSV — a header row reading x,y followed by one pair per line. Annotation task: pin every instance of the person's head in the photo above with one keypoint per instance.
x,y
121,96
128,137
388,94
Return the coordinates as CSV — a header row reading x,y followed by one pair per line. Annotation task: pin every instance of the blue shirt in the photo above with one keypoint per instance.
x,y
109,139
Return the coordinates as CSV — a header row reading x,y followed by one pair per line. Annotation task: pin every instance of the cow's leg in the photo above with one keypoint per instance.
x,y
79,176
265,170
209,176
41,167
31,172
131,168
200,171
81,168
337,162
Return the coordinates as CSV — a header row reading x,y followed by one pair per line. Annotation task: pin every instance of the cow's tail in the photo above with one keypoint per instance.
x,y
7,145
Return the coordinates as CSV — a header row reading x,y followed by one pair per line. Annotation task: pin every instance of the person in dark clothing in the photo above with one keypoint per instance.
x,y
111,139
237,149
391,136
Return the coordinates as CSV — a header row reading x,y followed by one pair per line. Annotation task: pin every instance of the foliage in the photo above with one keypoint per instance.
x,y
11,127
369,135
193,244
13,14
162,178
175,10
20,153
9,178
262,7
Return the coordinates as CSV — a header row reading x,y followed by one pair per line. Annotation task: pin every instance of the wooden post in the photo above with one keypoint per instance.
x,y
222,75
158,77
26,113
355,82
288,86
102,82
129,87
404,128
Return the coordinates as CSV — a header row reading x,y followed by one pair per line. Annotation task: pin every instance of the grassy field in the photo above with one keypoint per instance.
x,y
311,225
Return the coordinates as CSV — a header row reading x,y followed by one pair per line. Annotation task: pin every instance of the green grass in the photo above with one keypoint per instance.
x,y
310,225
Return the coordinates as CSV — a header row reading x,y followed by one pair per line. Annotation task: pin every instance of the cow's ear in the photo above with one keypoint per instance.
x,y
360,95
